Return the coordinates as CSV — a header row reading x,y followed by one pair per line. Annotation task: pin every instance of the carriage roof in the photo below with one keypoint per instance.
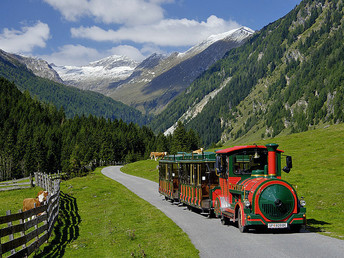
x,y
189,157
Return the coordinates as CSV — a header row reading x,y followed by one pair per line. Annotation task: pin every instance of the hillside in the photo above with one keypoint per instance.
x,y
35,136
73,101
286,78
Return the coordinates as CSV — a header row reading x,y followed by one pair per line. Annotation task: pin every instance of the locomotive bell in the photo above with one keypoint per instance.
x,y
256,155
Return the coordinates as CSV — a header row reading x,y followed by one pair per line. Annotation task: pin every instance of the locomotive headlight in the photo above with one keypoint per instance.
x,y
302,202
247,203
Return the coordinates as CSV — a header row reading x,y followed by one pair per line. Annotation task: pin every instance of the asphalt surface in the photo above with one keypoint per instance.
x,y
213,239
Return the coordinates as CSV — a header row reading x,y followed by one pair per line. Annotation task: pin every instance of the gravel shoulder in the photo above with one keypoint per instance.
x,y
213,239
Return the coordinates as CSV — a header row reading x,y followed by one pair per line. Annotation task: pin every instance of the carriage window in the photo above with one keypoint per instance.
x,y
175,171
213,178
198,174
245,162
191,175
162,171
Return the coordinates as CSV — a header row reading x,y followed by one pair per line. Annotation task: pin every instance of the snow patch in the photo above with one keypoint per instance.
x,y
197,108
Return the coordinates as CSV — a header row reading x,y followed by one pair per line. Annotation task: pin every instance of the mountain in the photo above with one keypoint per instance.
x,y
159,79
97,75
39,67
74,101
150,85
286,78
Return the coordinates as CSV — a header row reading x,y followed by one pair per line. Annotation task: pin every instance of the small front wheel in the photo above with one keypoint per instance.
x,y
241,226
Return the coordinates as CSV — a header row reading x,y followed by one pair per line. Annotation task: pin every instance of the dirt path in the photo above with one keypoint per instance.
x,y
213,239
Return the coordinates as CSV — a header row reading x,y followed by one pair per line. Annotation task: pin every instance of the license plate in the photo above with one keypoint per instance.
x,y
277,225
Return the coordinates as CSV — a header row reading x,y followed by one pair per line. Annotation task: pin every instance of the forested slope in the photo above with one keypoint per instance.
x,y
35,136
73,100
287,78
38,137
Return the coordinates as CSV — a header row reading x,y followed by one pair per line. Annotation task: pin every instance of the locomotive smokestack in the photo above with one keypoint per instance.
x,y
272,147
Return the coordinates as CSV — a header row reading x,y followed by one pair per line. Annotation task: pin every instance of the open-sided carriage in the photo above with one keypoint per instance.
x,y
189,178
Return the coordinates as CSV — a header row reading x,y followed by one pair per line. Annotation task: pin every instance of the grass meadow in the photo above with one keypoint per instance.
x,y
101,218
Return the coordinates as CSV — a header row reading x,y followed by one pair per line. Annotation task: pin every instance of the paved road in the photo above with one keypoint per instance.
x,y
213,239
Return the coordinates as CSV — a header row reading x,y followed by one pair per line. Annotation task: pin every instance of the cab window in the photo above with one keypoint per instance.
x,y
247,161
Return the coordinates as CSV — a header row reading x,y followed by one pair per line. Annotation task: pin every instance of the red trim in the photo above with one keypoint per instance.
x,y
257,220
229,150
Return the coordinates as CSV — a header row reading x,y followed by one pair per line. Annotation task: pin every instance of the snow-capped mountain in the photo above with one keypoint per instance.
x,y
236,35
97,75
151,88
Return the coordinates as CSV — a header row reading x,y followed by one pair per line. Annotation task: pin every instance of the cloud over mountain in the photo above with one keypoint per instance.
x,y
26,39
129,12
167,32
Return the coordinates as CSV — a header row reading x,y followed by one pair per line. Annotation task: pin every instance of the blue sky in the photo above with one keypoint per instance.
x,y
76,32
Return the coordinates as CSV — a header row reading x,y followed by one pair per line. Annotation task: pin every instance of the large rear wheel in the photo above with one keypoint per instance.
x,y
241,226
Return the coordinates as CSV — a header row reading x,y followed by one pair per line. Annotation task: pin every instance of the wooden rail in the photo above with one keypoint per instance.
x,y
24,234
16,184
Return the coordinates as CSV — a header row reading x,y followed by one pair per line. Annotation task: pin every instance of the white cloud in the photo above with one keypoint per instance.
x,y
168,32
26,39
74,55
129,51
129,12
71,10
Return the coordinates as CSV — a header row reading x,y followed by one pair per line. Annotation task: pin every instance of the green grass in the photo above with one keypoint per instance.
x,y
147,169
101,218
13,200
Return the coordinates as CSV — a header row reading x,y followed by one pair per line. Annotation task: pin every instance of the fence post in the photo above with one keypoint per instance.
x,y
31,180
0,248
22,233
36,225
11,237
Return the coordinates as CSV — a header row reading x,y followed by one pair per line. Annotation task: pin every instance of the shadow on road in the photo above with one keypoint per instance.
x,y
66,229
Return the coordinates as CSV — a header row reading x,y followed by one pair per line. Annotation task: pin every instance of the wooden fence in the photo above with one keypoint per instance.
x,y
16,184
24,235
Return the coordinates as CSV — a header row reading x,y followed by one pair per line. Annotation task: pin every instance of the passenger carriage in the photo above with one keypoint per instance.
x,y
169,178
189,178
198,180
